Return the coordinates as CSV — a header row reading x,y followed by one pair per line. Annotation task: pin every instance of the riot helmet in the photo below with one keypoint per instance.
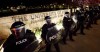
x,y
67,15
17,24
48,19
17,28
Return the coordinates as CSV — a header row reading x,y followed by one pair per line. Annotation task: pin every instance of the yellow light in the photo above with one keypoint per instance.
x,y
1,48
38,36
99,4
87,6
74,19
59,27
78,9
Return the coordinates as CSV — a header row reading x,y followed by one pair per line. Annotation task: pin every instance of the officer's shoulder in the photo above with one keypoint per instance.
x,y
29,31
44,25
53,24
11,36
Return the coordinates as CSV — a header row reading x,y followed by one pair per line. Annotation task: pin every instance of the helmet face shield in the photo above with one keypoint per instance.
x,y
17,31
16,28
48,20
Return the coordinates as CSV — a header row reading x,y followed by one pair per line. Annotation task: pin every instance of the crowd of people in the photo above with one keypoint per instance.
x,y
23,39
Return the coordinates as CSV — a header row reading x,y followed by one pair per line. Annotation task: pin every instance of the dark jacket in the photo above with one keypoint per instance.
x,y
81,17
67,22
18,45
45,30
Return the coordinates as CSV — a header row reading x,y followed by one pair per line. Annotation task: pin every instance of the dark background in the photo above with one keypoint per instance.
x,y
30,6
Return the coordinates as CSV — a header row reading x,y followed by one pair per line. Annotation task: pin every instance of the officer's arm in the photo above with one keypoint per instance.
x,y
31,35
43,32
7,42
64,22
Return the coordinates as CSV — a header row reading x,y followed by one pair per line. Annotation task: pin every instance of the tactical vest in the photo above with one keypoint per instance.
x,y
21,44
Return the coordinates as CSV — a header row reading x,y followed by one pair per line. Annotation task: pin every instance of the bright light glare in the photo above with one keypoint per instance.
x,y
87,6
78,9
1,48
59,26
99,4
74,19
39,39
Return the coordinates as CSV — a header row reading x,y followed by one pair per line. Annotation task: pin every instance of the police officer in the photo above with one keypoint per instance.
x,y
81,20
91,16
20,39
95,15
45,30
67,22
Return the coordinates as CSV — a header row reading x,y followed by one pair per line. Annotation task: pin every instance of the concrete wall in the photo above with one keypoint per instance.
x,y
33,21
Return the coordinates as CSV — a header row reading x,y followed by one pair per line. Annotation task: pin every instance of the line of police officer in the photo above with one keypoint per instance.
x,y
85,18
20,40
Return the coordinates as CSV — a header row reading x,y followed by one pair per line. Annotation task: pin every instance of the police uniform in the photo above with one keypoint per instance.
x,y
91,16
81,20
20,44
67,22
45,30
95,15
